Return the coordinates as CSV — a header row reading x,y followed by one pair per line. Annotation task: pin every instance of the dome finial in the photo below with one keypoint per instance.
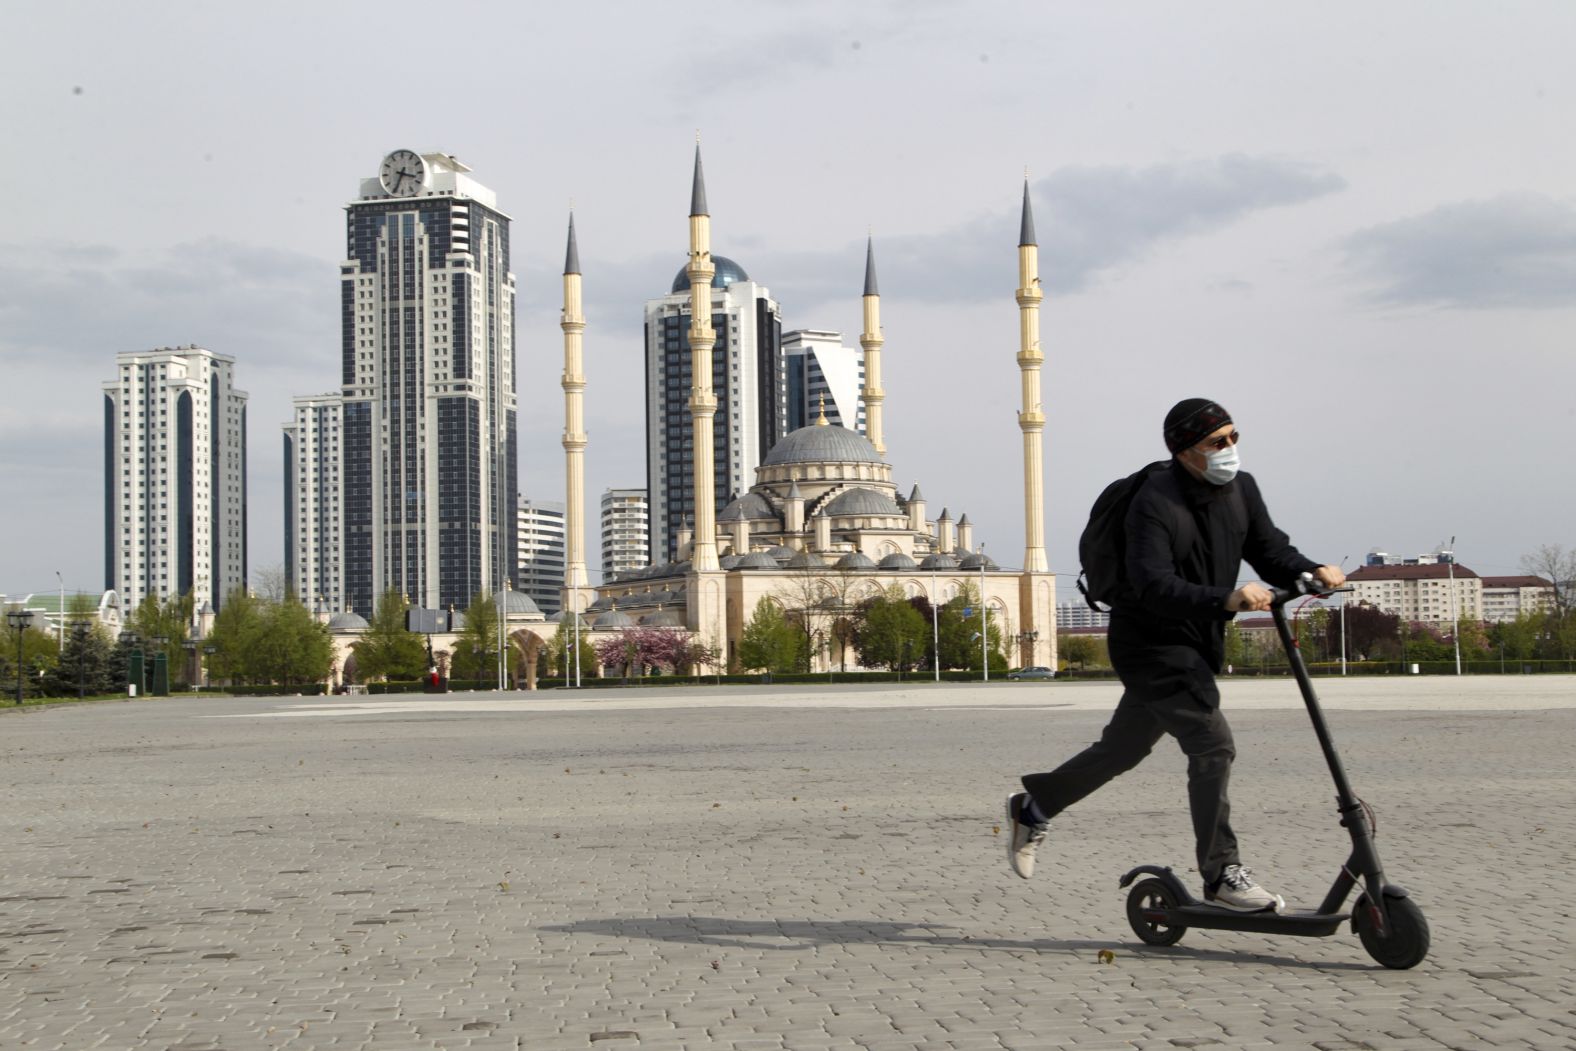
x,y
821,420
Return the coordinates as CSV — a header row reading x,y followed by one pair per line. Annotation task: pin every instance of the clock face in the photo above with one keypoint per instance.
x,y
403,173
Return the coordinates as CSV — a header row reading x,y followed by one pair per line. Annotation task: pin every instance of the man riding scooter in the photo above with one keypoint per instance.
x,y
1188,528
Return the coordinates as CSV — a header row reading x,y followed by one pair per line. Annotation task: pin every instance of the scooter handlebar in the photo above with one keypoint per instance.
x,y
1305,585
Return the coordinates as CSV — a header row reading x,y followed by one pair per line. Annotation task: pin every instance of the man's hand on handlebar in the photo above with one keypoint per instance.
x,y
1329,577
1251,598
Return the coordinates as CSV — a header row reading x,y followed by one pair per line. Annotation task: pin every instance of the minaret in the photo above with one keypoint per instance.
x,y
870,339
702,401
573,323
1031,420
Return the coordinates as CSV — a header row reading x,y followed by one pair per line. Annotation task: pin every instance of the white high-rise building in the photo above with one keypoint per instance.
x,y
541,556
626,531
314,501
747,379
428,447
822,371
174,477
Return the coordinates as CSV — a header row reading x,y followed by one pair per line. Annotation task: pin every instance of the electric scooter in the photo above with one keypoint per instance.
x,y
1386,919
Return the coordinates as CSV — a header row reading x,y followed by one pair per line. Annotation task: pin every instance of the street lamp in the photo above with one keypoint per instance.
x,y
19,619
1455,615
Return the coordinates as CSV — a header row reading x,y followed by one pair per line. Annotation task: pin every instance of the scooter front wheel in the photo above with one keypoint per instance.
x,y
1145,897
1405,940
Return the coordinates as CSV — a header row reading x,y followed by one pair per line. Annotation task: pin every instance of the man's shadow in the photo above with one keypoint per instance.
x,y
799,935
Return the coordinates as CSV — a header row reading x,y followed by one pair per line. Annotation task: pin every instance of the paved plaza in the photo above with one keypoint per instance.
x,y
797,868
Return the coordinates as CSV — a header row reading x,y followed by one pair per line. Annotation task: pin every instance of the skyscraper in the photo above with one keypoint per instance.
x,y
428,446
626,531
314,501
747,381
174,476
542,552
822,372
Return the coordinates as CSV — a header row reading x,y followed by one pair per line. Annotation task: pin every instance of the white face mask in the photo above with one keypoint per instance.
x,y
1221,465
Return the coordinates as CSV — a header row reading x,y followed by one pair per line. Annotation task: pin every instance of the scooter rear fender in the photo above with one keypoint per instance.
x,y
1162,873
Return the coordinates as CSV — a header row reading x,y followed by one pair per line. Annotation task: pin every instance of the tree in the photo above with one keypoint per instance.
x,y
40,654
561,648
170,619
891,632
476,650
236,628
769,642
1371,634
291,646
1082,650
389,650
88,661
1554,563
638,648
959,625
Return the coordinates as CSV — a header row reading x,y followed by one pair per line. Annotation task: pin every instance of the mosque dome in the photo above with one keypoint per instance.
x,y
855,560
667,618
756,560
977,560
896,560
939,560
805,560
862,502
728,273
518,604
347,621
750,506
819,443
613,618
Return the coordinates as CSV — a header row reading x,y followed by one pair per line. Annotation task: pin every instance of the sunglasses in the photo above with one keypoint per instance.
x,y
1222,442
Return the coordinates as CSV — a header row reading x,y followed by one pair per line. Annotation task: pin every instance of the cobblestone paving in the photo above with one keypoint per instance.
x,y
744,877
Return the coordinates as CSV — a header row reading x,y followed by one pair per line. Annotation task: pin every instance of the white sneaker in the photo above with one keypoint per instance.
x,y
1237,890
1025,837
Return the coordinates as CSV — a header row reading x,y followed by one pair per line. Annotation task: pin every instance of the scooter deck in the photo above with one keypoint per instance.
x,y
1298,922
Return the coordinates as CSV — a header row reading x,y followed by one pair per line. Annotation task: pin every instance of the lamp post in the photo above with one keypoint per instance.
x,y
19,619
190,646
161,663
61,623
1455,615
935,625
984,620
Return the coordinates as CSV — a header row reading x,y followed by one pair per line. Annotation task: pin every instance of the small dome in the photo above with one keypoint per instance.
x,y
855,560
977,561
519,604
749,507
347,621
805,560
727,562
818,444
598,604
613,618
668,618
757,560
782,552
896,560
862,502
727,273
939,560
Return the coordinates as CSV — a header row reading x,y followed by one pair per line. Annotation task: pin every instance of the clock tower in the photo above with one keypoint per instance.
x,y
427,440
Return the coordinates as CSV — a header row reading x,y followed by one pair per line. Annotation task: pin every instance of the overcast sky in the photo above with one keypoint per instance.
x,y
1352,224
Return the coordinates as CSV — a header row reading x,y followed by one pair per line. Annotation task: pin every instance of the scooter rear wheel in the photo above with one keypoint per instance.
x,y
1404,943
1147,895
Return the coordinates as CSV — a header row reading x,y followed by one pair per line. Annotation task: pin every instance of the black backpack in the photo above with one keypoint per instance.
x,y
1102,547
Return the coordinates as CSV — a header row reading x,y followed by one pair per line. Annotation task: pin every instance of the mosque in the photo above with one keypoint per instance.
x,y
823,528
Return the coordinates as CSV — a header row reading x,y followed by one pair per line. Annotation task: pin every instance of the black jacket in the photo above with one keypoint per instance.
x,y
1186,542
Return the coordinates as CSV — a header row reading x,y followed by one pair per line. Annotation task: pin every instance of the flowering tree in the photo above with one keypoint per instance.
x,y
638,648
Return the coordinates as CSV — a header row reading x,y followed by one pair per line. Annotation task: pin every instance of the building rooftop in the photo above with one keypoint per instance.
x,y
1437,571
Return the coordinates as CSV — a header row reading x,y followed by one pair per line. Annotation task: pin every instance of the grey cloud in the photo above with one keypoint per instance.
x,y
1089,220
86,302
1515,250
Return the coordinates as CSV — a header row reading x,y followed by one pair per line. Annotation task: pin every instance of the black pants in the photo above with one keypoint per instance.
x,y
1160,698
